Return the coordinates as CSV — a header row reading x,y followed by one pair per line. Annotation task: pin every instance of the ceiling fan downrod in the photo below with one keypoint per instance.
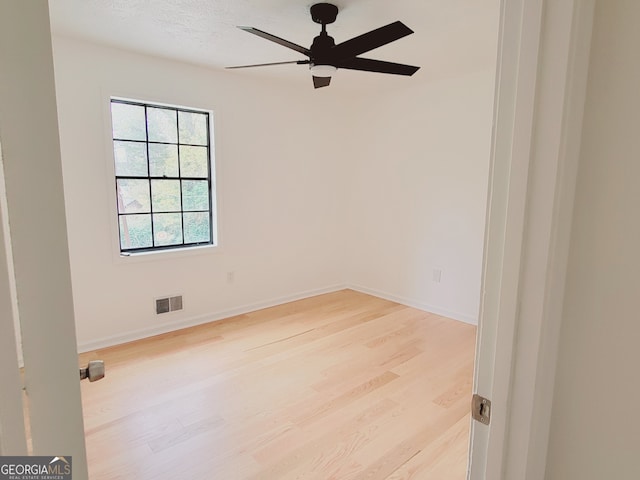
x,y
324,14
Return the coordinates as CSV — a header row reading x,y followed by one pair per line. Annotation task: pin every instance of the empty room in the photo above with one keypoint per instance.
x,y
281,274
294,291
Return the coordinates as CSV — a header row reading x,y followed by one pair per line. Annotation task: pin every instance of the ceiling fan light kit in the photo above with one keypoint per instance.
x,y
325,57
323,70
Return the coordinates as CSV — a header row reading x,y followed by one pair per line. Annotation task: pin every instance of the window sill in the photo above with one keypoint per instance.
x,y
131,257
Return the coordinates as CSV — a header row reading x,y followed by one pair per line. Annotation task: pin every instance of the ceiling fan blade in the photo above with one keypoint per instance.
x,y
368,41
278,40
319,82
299,62
368,65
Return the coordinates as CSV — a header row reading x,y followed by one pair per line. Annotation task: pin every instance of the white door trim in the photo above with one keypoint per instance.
x,y
562,83
32,169
520,25
542,77
12,429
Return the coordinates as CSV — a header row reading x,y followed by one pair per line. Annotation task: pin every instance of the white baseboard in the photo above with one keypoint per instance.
x,y
200,320
216,316
461,317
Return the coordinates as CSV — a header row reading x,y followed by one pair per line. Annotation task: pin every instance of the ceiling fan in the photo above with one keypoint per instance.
x,y
325,57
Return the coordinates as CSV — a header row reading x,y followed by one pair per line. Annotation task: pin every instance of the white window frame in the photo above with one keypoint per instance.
x,y
175,251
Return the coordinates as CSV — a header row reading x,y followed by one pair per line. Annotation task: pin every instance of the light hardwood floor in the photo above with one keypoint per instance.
x,y
338,386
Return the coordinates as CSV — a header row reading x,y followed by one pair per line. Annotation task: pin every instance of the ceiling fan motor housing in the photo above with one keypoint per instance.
x,y
321,49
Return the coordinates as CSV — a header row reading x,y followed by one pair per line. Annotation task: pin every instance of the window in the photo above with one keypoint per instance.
x,y
163,175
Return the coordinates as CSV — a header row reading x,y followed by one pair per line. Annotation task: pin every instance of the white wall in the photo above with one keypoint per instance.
x,y
595,423
418,195
279,205
307,179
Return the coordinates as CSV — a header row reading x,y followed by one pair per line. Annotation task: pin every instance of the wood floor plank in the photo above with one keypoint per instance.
x,y
443,459
341,386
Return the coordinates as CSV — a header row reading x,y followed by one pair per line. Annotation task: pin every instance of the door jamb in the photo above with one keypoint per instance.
x,y
535,154
12,427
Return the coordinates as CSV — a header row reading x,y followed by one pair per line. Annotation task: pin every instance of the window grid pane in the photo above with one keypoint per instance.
x,y
135,231
163,176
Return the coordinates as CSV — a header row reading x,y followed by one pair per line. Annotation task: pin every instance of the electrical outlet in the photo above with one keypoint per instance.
x,y
437,275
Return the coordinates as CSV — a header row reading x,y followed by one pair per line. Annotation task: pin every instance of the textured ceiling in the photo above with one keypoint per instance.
x,y
452,36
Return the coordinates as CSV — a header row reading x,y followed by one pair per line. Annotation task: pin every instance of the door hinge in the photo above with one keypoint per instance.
x,y
481,409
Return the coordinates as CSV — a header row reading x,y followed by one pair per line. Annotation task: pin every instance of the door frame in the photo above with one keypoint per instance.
x,y
12,428
543,59
41,276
